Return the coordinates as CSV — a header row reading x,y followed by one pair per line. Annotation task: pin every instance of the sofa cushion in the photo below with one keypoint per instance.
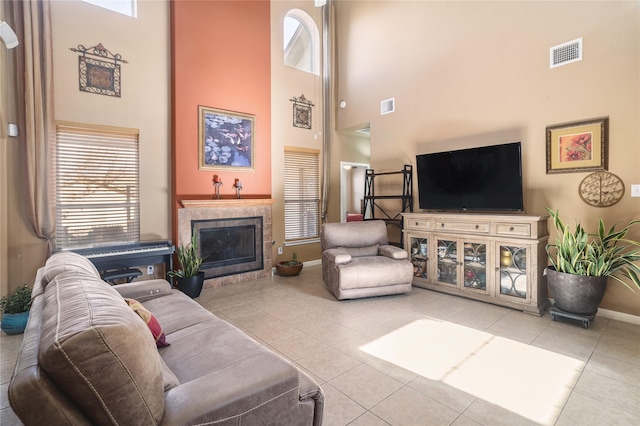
x,y
64,261
354,234
150,320
176,312
366,272
169,380
371,250
98,351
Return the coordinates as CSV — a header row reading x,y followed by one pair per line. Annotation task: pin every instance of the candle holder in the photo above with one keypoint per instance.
x,y
238,187
217,183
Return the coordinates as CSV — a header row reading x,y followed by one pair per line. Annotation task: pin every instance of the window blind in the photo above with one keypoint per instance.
x,y
301,194
98,189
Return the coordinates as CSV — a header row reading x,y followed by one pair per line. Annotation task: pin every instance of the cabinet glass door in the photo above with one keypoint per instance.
x,y
513,271
419,256
475,266
447,261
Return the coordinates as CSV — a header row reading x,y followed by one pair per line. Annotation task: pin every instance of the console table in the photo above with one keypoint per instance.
x,y
497,259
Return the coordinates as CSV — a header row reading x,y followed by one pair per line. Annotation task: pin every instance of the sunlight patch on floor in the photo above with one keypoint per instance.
x,y
529,381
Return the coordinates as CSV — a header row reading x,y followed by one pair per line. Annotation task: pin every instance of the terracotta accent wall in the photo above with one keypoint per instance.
x,y
220,59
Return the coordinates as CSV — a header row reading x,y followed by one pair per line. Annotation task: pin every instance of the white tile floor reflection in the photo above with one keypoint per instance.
x,y
430,359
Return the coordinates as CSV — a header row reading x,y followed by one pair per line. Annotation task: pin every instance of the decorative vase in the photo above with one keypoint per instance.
x,y
505,258
191,286
576,294
288,270
14,323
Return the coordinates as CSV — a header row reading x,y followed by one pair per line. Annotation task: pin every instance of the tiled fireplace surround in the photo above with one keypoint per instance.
x,y
197,210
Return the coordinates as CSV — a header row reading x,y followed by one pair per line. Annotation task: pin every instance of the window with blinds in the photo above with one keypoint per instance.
x,y
301,195
97,185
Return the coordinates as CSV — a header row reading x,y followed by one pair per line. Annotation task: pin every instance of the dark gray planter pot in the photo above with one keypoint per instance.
x,y
191,286
576,294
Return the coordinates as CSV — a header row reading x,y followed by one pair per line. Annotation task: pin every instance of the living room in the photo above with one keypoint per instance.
x,y
480,79
462,74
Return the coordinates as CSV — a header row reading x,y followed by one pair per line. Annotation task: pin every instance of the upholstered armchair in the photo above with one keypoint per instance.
x,y
357,261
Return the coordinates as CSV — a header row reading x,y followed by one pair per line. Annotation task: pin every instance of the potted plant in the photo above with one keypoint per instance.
x,y
581,263
289,268
189,278
15,310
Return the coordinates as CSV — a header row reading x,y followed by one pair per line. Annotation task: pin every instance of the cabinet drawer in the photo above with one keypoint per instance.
x,y
515,229
417,224
473,227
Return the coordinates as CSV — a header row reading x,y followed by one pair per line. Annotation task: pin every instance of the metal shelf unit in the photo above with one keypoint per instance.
x,y
406,198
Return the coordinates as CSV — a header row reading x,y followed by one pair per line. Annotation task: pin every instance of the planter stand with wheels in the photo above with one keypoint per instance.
x,y
557,312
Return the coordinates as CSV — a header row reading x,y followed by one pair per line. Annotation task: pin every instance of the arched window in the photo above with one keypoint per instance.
x,y
301,42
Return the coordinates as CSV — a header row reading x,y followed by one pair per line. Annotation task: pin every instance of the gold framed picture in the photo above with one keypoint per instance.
x,y
226,140
579,146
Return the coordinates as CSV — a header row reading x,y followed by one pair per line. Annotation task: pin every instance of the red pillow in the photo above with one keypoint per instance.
x,y
150,320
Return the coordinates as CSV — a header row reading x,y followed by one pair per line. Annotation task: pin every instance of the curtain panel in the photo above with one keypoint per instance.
x,y
36,113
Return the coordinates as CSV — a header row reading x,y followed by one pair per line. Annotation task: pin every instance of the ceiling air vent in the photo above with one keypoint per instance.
x,y
565,53
387,106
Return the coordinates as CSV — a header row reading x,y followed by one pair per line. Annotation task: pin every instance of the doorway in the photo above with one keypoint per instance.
x,y
352,177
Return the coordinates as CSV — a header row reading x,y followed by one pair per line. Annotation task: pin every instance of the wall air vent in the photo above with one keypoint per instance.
x,y
387,106
565,53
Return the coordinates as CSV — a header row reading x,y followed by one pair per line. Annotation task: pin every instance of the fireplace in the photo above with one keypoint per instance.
x,y
235,237
229,246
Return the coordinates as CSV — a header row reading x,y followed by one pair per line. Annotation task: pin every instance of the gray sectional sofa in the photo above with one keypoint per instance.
x,y
88,358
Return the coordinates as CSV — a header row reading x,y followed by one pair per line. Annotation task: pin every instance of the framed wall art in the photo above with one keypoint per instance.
x,y
226,140
579,146
101,74
302,112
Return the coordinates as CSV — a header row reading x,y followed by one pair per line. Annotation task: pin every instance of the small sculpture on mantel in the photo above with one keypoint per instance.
x,y
238,186
217,183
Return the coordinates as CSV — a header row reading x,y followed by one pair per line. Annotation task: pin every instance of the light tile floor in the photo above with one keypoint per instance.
x,y
427,358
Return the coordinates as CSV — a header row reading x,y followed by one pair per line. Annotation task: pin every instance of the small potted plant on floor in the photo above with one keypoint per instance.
x,y
581,263
189,278
289,268
15,310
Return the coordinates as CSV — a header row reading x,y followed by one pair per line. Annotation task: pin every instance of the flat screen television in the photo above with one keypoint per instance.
x,y
487,178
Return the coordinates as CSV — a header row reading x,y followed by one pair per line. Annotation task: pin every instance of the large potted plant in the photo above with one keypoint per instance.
x,y
581,264
189,278
15,310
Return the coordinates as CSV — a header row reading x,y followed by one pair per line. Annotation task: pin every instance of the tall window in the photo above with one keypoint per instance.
x,y
301,195
301,42
126,7
98,189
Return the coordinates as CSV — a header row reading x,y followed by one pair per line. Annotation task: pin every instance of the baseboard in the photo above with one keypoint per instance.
x,y
614,315
618,316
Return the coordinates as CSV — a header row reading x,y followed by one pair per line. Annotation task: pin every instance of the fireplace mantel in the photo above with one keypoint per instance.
x,y
233,202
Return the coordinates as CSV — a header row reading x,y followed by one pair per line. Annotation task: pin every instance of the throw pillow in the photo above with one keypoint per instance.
x,y
150,320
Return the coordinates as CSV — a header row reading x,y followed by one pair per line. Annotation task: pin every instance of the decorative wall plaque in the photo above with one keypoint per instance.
x,y
301,112
102,74
601,189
